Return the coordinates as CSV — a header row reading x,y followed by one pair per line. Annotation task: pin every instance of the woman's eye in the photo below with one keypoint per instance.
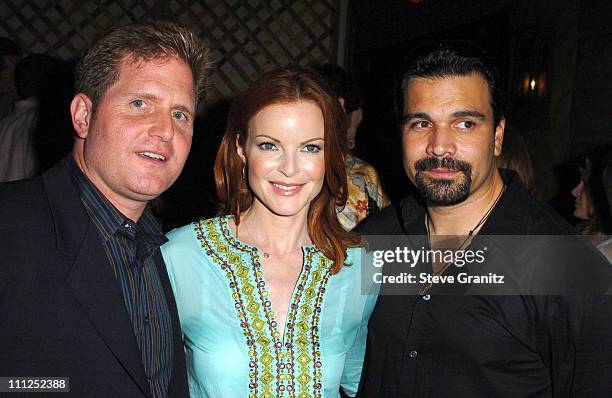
x,y
466,124
138,103
312,148
267,146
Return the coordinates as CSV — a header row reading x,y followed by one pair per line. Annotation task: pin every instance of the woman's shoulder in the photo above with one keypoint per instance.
x,y
355,262
354,256
186,251
359,263
187,237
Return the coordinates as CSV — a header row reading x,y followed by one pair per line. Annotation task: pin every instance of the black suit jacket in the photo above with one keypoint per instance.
x,y
61,306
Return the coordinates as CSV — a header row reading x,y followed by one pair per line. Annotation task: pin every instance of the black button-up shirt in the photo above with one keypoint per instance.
x,y
439,345
129,247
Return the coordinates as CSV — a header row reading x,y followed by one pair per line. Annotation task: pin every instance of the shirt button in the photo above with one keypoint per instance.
x,y
426,297
413,354
146,319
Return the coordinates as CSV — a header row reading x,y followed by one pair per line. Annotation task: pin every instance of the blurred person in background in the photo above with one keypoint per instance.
x,y
365,193
593,194
17,150
515,157
10,54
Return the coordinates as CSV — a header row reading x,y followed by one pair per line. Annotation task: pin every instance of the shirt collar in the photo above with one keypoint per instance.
x,y
108,218
507,218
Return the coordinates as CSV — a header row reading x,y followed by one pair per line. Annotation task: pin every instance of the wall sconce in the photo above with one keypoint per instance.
x,y
534,85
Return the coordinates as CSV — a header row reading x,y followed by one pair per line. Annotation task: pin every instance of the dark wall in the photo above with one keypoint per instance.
x,y
591,114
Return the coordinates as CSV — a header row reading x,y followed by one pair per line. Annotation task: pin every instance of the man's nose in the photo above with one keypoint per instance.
x,y
441,142
162,126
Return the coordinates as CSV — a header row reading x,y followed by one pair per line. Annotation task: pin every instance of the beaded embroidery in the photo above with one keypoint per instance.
x,y
289,367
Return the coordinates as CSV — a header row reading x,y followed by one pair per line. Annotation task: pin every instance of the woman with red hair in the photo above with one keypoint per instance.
x,y
269,293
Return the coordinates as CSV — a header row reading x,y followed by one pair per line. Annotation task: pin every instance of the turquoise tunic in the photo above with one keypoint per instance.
x,y
232,341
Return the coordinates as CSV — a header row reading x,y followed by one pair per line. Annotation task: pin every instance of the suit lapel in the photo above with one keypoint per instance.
x,y
97,290
90,277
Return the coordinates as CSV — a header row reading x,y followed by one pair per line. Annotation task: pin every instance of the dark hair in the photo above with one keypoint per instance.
x,y
280,87
31,72
596,175
8,47
342,85
99,67
448,61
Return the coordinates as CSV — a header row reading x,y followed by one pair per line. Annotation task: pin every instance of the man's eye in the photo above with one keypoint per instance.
x,y
138,103
421,124
179,115
267,146
311,148
466,124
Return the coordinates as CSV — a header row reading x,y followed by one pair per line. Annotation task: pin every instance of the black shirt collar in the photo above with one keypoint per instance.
x,y
507,218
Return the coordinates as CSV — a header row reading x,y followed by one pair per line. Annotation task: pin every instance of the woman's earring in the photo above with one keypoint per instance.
x,y
244,185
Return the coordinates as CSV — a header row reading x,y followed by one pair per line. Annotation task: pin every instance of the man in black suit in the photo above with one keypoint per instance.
x,y
83,291
514,329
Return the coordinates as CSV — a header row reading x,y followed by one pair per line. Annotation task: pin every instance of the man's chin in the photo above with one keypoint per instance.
x,y
447,195
148,192
444,201
443,191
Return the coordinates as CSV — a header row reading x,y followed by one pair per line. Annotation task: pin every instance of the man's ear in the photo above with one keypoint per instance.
x,y
341,100
81,109
240,150
499,137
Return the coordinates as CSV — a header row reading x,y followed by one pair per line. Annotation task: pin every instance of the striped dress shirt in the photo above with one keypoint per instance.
x,y
130,247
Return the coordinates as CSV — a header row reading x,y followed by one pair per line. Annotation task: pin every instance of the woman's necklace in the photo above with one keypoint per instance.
x,y
484,218
266,254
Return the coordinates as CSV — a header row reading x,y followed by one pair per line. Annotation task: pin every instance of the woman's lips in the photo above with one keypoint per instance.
x,y
285,189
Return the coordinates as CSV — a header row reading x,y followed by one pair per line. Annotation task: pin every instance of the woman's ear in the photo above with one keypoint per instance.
x,y
240,150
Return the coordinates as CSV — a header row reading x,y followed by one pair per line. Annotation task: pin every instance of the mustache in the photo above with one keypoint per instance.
x,y
433,162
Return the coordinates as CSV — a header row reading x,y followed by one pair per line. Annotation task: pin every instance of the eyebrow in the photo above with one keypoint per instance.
x,y
266,136
312,140
184,109
275,140
417,115
144,96
469,113
461,113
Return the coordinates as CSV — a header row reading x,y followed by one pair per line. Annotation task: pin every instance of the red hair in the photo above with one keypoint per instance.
x,y
290,85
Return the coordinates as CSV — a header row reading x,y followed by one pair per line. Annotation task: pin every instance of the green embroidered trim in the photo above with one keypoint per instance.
x,y
324,267
211,240
272,364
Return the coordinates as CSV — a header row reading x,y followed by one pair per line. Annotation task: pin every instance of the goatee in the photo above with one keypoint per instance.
x,y
443,191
